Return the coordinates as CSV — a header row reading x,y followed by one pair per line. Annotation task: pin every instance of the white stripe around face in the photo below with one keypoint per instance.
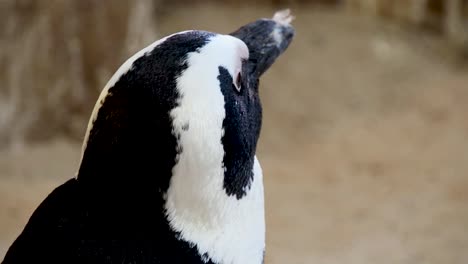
x,y
224,228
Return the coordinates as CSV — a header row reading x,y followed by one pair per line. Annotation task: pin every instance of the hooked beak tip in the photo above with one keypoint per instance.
x,y
283,17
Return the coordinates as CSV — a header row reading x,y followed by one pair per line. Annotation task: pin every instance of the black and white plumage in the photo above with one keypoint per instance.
x,y
168,171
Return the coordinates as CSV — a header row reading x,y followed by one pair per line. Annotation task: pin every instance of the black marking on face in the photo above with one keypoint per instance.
x,y
241,130
185,127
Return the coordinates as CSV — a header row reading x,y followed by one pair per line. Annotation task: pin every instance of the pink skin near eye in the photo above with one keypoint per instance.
x,y
243,53
237,79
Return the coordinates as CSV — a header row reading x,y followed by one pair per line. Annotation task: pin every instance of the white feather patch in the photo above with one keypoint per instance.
x,y
227,230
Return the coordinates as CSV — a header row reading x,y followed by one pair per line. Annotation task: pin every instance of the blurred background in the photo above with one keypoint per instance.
x,y
365,138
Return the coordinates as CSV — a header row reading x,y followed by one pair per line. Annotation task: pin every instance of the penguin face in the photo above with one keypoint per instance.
x,y
219,112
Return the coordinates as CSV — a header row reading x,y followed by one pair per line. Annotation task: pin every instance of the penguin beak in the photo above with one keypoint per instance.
x,y
266,39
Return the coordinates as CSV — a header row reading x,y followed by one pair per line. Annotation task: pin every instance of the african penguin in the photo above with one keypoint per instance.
x,y
168,172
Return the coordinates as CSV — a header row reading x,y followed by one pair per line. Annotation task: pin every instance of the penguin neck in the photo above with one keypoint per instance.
x,y
200,210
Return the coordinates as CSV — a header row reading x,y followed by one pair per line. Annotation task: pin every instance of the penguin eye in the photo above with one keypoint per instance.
x,y
238,82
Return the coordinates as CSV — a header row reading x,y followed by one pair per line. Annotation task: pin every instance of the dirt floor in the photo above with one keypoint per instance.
x,y
364,144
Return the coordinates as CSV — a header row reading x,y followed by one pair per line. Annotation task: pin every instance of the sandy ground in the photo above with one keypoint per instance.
x,y
364,145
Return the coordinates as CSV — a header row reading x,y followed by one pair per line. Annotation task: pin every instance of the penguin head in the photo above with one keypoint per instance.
x,y
190,99
173,135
